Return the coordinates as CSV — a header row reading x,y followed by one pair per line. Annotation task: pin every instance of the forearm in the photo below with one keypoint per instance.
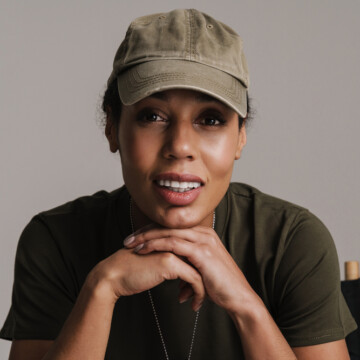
x,y
260,336
86,331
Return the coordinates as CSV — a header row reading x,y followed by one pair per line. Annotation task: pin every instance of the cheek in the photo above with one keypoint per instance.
x,y
138,150
219,156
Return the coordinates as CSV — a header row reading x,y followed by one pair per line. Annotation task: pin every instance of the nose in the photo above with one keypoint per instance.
x,y
180,141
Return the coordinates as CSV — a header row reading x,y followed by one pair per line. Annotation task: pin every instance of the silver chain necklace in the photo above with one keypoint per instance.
x,y
153,306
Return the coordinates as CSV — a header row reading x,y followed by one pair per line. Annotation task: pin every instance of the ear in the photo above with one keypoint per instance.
x,y
241,142
111,134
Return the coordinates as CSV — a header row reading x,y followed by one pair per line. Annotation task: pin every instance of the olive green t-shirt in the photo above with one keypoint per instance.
x,y
285,252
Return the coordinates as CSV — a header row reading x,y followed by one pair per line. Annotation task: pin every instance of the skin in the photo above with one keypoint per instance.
x,y
178,132
161,139
148,148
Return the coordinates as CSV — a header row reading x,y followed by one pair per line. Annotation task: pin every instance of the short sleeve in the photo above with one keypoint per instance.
x,y
310,308
43,291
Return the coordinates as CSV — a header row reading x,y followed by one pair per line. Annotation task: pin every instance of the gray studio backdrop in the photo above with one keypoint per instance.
x,y
55,57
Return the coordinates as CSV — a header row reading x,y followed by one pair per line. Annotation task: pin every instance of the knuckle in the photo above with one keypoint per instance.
x,y
167,259
141,237
198,279
212,239
206,251
196,276
172,242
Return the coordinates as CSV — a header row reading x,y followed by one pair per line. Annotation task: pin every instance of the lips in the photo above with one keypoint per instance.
x,y
178,189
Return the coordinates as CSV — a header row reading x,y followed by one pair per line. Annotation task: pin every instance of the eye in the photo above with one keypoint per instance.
x,y
212,120
150,116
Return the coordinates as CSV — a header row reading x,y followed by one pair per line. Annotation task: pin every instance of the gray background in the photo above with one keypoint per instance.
x,y
303,146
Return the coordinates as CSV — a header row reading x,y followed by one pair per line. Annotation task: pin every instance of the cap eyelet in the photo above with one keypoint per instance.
x,y
162,17
209,26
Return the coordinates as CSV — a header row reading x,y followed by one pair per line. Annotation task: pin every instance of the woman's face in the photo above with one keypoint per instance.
x,y
177,150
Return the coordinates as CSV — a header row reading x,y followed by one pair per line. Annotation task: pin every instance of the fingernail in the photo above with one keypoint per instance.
x,y
184,299
129,240
139,247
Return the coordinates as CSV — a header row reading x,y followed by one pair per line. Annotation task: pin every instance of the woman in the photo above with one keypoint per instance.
x,y
99,276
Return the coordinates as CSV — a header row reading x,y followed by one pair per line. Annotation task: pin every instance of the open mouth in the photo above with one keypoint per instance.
x,y
178,186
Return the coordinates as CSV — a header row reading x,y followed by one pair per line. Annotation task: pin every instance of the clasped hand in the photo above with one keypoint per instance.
x,y
196,256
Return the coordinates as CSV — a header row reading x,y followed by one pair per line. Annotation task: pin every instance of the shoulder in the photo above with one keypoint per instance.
x,y
276,226
289,254
241,191
84,205
85,212
78,231
267,212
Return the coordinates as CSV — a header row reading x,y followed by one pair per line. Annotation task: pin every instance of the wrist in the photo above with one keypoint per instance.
x,y
251,311
99,287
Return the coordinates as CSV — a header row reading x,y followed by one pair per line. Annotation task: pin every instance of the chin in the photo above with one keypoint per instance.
x,y
178,225
176,220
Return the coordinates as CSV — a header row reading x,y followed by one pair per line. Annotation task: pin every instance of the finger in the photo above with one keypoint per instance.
x,y
179,269
130,238
185,294
182,283
198,234
173,245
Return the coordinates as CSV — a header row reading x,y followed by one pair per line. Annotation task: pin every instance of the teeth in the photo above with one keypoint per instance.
x,y
179,186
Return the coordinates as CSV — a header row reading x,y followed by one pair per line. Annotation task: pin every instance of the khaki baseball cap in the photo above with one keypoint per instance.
x,y
182,49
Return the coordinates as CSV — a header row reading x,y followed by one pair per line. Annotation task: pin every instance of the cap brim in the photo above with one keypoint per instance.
x,y
144,79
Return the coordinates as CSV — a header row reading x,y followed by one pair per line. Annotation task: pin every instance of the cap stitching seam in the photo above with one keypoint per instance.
x,y
141,82
188,40
191,21
190,34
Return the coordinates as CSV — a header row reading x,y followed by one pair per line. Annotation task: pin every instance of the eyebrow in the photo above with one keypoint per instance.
x,y
201,97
